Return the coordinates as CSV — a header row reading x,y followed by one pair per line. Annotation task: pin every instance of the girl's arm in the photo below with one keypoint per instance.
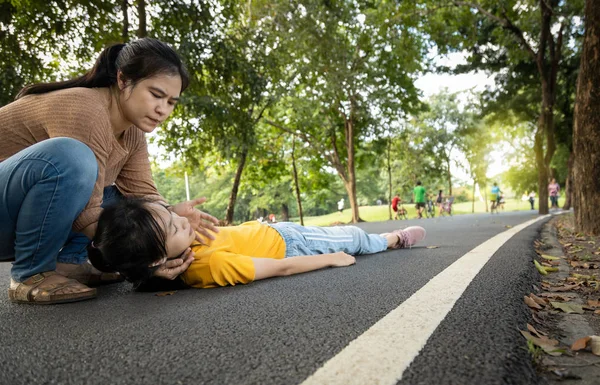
x,y
267,267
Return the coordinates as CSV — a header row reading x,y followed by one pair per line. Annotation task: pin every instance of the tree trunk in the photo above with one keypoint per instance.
x,y
473,205
285,213
296,184
487,209
235,188
351,184
449,177
124,9
141,8
389,170
569,183
586,131
538,147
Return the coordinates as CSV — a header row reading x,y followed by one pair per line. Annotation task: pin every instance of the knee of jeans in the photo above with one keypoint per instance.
x,y
78,163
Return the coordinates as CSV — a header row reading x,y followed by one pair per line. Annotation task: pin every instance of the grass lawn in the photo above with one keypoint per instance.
x,y
381,213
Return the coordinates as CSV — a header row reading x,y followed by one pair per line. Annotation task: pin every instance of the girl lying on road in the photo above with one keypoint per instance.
x,y
135,237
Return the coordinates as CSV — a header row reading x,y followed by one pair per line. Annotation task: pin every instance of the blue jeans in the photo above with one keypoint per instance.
x,y
44,188
75,249
311,240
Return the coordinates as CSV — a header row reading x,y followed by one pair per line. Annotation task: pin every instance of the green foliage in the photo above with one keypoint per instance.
x,y
36,36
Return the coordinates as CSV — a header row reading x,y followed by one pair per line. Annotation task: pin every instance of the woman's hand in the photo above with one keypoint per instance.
x,y
201,222
342,259
172,268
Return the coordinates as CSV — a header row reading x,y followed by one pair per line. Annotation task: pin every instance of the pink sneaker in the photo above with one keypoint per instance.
x,y
408,237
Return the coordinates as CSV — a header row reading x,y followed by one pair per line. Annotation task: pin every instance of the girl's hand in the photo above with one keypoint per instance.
x,y
341,259
173,268
201,222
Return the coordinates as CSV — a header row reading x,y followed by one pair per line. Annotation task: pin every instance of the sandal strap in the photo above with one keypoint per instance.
x,y
24,290
28,290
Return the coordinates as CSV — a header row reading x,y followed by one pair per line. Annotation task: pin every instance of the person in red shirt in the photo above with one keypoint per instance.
x,y
395,201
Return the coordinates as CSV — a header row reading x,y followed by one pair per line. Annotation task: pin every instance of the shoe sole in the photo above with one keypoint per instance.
x,y
53,302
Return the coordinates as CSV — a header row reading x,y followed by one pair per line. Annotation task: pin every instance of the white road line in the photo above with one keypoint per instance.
x,y
382,353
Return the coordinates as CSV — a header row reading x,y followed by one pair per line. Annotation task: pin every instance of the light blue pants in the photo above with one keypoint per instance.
x,y
43,189
312,240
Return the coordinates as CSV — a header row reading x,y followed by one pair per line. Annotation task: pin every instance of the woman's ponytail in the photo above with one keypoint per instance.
x,y
102,74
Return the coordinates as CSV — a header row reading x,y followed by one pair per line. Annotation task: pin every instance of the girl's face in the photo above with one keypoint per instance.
x,y
150,101
179,233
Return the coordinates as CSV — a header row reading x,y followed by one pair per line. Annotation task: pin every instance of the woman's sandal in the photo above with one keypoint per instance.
x,y
45,289
85,273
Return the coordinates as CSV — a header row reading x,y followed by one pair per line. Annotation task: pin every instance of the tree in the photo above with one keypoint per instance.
x,y
37,35
510,33
442,128
222,109
586,134
350,60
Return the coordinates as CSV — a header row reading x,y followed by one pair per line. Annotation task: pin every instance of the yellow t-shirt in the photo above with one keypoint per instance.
x,y
228,259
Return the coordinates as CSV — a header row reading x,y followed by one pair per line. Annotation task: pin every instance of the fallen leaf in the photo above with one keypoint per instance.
x,y
568,307
543,342
531,303
534,331
581,276
554,263
593,303
568,244
580,344
597,312
540,268
595,344
432,247
538,300
165,293
562,296
549,257
564,287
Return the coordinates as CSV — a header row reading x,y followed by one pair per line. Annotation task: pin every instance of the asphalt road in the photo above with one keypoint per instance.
x,y
281,330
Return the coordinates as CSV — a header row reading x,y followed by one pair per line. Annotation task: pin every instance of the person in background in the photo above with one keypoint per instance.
x,y
395,200
495,198
341,205
532,199
553,191
419,199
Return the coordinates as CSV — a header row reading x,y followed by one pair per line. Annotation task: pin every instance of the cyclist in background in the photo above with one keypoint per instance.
x,y
495,197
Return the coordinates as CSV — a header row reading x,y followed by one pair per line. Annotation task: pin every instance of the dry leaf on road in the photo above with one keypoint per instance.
x,y
543,342
531,303
568,307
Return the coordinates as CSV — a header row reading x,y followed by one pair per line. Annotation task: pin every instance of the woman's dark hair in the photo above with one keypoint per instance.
x,y
138,60
128,240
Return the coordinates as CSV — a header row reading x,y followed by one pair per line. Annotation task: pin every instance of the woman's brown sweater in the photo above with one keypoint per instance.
x,y
82,114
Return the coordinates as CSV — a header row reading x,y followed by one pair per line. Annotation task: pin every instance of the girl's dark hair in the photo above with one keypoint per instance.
x,y
128,240
138,60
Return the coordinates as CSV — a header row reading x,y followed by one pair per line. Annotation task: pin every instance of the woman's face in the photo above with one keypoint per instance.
x,y
150,101
179,233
